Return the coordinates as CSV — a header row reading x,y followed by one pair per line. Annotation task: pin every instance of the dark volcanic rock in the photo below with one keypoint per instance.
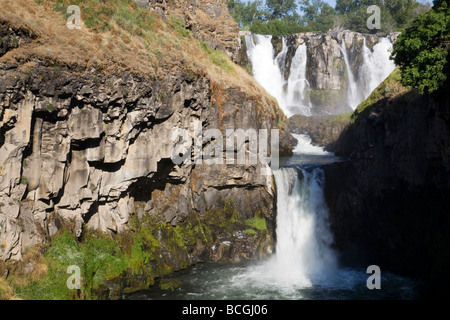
x,y
323,130
389,202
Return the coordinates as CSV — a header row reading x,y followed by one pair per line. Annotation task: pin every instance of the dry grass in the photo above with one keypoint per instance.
x,y
154,53
6,292
33,260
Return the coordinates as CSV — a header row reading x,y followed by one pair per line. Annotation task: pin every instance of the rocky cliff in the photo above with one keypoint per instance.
x,y
324,130
85,140
388,201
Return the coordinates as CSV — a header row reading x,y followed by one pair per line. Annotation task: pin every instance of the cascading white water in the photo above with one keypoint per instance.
x,y
291,95
305,147
303,253
377,65
352,96
280,59
269,72
303,257
304,266
297,84
266,69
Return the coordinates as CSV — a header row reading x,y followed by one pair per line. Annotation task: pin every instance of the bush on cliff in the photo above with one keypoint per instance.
x,y
422,51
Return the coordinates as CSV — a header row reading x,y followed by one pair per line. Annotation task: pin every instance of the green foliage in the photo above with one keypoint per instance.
x,y
62,253
50,107
341,120
280,9
257,223
323,96
388,88
319,14
15,42
170,284
103,260
158,54
217,57
395,14
277,26
286,16
150,249
179,26
251,231
422,51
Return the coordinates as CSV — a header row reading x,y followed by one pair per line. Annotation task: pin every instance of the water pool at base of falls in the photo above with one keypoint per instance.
x,y
255,281
304,266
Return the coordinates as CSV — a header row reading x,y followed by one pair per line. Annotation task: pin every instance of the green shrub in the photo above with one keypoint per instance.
x,y
50,107
257,223
422,51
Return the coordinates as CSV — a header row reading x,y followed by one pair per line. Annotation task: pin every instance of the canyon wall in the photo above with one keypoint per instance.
x,y
387,198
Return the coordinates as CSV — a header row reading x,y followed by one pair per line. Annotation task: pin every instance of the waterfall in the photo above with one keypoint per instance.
x,y
269,72
291,93
280,59
377,65
266,69
352,96
303,232
297,84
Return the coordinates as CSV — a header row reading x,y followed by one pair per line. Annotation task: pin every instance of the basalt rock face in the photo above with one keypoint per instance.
x,y
323,130
388,201
86,149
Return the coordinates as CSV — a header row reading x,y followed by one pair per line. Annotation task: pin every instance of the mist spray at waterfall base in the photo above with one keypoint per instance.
x,y
303,252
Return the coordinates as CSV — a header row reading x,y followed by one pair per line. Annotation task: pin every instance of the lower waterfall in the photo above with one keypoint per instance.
x,y
304,265
303,250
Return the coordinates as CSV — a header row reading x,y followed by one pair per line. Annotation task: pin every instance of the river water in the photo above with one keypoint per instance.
x,y
304,265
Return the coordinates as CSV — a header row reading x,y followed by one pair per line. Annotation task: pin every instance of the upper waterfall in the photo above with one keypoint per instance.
x,y
311,74
268,70
352,92
377,65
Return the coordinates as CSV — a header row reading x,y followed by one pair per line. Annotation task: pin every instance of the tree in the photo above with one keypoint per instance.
x,y
281,16
422,51
346,6
279,9
319,14
245,14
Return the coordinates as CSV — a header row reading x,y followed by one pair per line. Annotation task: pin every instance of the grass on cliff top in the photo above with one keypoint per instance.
x,y
118,36
388,89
